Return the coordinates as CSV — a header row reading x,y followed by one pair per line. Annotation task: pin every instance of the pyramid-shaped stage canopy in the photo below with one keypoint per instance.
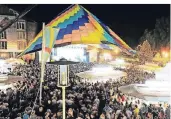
x,y
78,26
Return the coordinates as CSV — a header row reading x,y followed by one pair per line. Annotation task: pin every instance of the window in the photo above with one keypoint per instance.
x,y
3,35
21,35
21,25
21,45
3,44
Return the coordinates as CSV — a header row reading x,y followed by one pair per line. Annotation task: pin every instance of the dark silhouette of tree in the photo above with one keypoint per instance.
x,y
159,36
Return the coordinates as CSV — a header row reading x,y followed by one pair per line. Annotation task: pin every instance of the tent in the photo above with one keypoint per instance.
x,y
78,26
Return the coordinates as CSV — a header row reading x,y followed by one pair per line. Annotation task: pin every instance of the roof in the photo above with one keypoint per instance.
x,y
79,26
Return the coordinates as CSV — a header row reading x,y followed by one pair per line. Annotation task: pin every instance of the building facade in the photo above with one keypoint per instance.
x,y
15,39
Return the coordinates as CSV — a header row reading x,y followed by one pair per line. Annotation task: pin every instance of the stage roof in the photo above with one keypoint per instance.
x,y
78,26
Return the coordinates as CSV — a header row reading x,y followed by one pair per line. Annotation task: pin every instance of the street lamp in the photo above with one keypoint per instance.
x,y
63,78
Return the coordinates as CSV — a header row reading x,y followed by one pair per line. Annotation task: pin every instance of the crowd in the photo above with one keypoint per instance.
x,y
84,100
135,75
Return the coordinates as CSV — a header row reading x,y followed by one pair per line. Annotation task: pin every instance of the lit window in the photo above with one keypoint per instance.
x,y
21,25
21,35
3,44
3,35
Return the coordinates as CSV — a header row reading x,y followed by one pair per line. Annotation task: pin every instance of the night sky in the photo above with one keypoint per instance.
x,y
128,21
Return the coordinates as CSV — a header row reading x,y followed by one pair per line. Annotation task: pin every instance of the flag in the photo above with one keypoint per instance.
x,y
48,40
49,37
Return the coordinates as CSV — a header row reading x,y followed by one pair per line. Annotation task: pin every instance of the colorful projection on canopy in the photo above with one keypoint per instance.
x,y
78,26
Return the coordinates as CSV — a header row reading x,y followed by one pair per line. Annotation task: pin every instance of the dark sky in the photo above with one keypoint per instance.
x,y
128,21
